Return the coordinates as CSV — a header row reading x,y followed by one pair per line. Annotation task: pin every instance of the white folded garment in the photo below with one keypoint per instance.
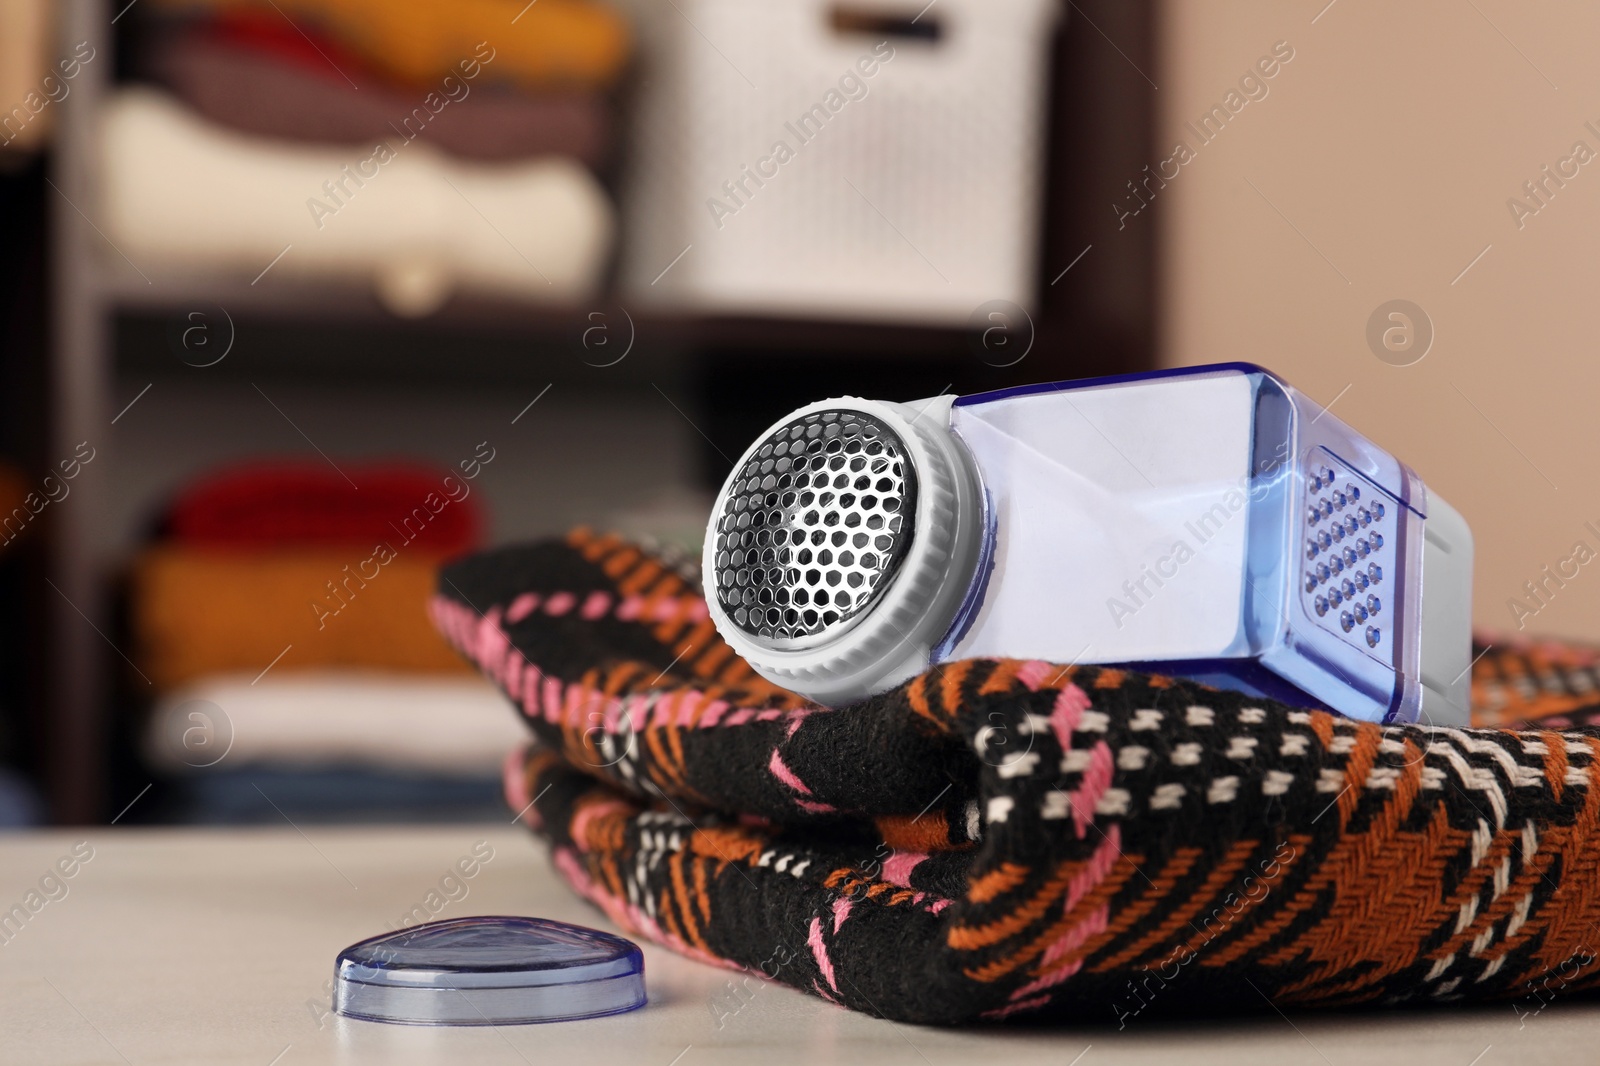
x,y
305,719
179,190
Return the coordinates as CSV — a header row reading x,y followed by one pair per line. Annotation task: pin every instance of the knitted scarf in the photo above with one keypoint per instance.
x,y
1007,839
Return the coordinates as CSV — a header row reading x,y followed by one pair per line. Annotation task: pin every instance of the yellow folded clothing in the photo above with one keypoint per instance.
x,y
568,43
198,612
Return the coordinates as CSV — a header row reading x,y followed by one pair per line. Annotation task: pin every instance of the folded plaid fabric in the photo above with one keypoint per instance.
x,y
1006,839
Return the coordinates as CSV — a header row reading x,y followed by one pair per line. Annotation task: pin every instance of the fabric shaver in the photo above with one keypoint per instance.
x,y
1211,523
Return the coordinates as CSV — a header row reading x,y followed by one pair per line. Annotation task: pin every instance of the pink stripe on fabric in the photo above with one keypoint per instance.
x,y
841,911
815,807
489,641
939,905
594,605
1095,923
566,860
529,696
661,707
781,771
662,609
578,704
507,670
714,713
819,951
485,641
1096,779
796,720
515,783
514,668
605,712
1070,705
1074,938
579,830
898,866
634,710
1033,673
442,613
688,707
517,668
1014,1008
1099,865
522,606
439,612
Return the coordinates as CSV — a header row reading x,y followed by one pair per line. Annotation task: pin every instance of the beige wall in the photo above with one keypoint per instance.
x,y
1392,142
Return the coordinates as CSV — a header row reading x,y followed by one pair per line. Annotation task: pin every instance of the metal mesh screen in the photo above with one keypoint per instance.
x,y
814,525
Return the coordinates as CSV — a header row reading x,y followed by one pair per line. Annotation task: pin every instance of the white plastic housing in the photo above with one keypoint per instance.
x,y
1210,523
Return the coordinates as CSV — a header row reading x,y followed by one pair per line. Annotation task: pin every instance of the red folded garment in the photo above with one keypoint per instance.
x,y
267,34
289,504
258,80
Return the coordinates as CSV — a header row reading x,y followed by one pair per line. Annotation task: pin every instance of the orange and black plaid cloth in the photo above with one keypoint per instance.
x,y
1006,839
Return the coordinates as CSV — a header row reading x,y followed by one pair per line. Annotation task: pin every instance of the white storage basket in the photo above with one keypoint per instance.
x,y
909,185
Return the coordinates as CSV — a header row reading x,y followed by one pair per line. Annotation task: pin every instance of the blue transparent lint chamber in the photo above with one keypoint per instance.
x,y
492,970
1210,523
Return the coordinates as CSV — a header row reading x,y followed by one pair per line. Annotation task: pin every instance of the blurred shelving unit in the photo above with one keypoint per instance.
x,y
1094,315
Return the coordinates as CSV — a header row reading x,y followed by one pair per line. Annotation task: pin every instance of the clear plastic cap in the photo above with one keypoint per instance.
x,y
488,971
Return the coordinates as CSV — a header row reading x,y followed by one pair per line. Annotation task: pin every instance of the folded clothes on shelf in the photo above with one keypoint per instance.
x,y
292,565
179,190
280,618
269,80
572,43
318,719
276,504
199,611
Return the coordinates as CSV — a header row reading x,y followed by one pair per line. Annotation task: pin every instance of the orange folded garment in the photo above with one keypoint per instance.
x,y
566,43
197,611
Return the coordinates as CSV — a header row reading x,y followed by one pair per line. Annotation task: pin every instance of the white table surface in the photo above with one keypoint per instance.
x,y
215,947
